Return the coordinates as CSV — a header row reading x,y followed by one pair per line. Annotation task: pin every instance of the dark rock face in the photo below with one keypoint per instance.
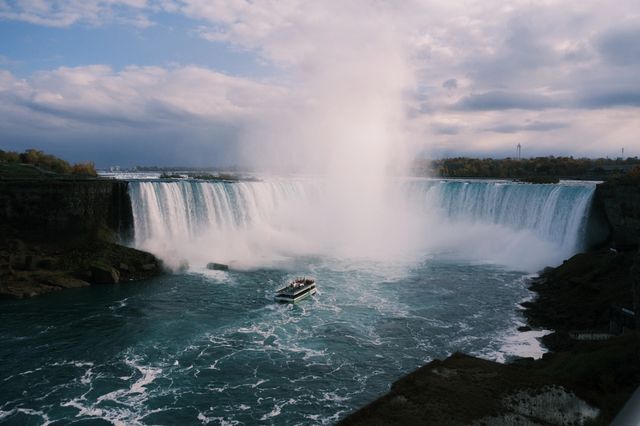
x,y
60,233
104,274
37,209
635,277
463,390
620,200
578,295
72,264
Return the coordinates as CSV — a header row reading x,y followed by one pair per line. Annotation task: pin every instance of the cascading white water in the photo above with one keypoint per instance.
x,y
556,213
171,210
251,224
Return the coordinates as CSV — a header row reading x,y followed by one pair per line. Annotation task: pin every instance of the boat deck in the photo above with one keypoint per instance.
x,y
295,291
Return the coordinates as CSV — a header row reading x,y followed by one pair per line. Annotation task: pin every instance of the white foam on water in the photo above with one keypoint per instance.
x,y
524,344
219,420
129,408
27,411
277,409
149,374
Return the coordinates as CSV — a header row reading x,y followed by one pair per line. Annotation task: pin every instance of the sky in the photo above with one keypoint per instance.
x,y
215,82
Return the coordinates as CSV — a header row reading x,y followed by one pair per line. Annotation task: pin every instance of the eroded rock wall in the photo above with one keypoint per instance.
x,y
55,208
620,200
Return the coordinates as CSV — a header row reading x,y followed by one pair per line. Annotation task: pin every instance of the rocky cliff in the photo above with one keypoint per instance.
x,y
45,208
620,199
58,233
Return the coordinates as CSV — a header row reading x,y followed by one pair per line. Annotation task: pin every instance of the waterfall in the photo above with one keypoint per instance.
x,y
170,210
555,213
525,226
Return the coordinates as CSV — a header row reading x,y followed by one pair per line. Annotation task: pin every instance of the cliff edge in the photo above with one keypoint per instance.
x,y
58,233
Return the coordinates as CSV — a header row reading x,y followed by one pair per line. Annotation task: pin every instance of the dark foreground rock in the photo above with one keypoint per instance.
x,y
620,199
579,294
564,388
34,268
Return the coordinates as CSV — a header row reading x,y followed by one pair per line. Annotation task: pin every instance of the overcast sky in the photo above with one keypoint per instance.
x,y
190,82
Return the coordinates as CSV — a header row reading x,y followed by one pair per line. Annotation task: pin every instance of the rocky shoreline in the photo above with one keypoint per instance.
x,y
590,372
34,268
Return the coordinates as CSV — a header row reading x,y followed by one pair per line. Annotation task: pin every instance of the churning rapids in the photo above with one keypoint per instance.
x,y
443,272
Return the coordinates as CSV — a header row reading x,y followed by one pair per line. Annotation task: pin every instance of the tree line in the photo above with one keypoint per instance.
x,y
48,162
513,168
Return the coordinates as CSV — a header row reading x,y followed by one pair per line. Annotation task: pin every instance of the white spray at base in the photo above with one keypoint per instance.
x,y
272,223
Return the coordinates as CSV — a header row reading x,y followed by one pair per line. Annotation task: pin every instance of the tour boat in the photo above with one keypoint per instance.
x,y
296,290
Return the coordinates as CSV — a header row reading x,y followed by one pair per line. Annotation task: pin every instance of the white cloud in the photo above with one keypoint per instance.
x,y
181,115
142,95
571,63
64,13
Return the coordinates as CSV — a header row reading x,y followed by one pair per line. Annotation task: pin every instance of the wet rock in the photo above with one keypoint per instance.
x,y
60,280
562,389
46,263
103,274
31,263
149,267
217,266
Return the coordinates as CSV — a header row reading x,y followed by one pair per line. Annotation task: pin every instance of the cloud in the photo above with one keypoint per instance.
x,y
64,13
620,46
570,66
536,126
446,129
450,84
610,99
138,94
502,100
98,109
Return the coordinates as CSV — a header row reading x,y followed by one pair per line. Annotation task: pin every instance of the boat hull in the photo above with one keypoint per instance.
x,y
295,298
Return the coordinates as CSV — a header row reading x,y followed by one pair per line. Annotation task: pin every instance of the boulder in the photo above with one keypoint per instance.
x,y
149,267
46,263
31,262
103,274
60,280
217,266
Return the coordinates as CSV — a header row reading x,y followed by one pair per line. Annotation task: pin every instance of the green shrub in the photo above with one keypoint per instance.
x,y
84,169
